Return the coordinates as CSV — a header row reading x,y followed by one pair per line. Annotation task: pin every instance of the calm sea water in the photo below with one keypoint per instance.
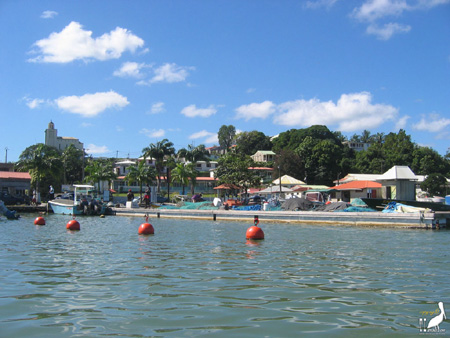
x,y
202,278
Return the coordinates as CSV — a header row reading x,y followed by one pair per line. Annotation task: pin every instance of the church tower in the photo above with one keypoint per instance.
x,y
51,135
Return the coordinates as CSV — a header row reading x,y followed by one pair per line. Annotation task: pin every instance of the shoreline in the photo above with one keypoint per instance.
x,y
368,219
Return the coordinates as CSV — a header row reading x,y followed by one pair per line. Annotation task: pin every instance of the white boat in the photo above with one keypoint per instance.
x,y
81,204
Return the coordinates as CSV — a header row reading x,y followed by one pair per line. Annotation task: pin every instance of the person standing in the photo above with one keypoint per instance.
x,y
130,196
51,193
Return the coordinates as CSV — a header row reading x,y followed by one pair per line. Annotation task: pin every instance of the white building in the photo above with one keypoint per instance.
x,y
60,142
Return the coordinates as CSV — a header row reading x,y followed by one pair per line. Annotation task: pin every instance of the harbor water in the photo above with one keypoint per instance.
x,y
203,278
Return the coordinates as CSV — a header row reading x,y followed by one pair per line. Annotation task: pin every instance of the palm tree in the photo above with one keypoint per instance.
x,y
192,173
366,136
42,162
158,152
72,163
141,174
181,174
194,154
98,171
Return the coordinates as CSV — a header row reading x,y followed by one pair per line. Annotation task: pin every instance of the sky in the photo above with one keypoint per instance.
x,y
120,75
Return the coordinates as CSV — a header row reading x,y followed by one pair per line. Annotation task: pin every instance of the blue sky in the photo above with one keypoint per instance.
x,y
120,75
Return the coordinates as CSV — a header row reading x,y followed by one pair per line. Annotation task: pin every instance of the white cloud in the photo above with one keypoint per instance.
x,y
193,111
372,11
432,123
93,149
74,43
209,137
90,105
351,112
158,133
86,125
157,108
320,3
33,103
386,32
130,69
48,14
255,110
401,122
170,72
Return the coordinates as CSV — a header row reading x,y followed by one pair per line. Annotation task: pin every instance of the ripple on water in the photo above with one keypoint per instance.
x,y
203,278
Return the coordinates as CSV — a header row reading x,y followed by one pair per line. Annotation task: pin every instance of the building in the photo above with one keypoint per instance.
x,y
15,183
263,156
357,146
60,142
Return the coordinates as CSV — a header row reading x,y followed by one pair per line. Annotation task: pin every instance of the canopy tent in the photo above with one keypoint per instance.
x,y
299,188
274,190
288,180
227,186
358,185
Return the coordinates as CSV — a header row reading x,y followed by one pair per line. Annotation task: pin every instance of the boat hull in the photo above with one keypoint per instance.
x,y
66,207
380,203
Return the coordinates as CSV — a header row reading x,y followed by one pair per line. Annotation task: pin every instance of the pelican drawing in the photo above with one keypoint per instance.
x,y
435,321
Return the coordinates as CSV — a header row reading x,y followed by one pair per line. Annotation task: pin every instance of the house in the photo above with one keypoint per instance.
x,y
15,183
357,146
399,182
263,156
347,192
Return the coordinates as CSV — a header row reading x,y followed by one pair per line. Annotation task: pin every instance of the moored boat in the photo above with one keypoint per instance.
x,y
81,204
381,203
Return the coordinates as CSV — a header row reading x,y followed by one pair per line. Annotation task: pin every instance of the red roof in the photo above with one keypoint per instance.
x,y
260,168
358,185
14,175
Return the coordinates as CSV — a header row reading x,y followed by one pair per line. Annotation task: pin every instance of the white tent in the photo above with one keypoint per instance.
x,y
275,189
288,180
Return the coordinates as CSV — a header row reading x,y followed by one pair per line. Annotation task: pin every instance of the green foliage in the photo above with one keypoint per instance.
x,y
234,169
98,170
435,185
426,161
194,154
72,160
289,162
249,142
226,136
159,152
141,174
44,165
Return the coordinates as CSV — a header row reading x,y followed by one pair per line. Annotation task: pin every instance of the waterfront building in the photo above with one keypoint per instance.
x,y
60,142
263,156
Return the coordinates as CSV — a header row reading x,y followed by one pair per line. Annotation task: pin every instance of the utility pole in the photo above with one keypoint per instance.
x,y
6,154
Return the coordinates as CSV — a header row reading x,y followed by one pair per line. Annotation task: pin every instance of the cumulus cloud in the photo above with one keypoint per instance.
x,y
432,123
193,111
48,14
94,149
401,122
373,11
75,43
171,72
351,112
255,110
152,133
387,31
33,103
90,105
208,136
157,108
130,69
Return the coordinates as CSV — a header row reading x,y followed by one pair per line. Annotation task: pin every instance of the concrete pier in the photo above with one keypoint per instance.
x,y
412,220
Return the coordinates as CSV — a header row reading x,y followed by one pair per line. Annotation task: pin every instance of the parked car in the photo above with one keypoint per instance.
x,y
9,199
256,200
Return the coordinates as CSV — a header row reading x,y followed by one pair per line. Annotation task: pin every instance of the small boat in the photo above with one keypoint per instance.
x,y
81,204
381,203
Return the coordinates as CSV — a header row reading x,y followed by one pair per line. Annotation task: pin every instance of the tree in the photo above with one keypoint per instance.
x,y
398,149
72,160
158,152
43,163
194,154
226,136
366,136
249,142
141,174
180,174
99,170
435,184
234,169
289,162
371,160
427,161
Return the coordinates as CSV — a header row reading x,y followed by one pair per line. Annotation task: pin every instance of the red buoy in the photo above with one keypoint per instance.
x,y
73,225
146,229
39,221
255,232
